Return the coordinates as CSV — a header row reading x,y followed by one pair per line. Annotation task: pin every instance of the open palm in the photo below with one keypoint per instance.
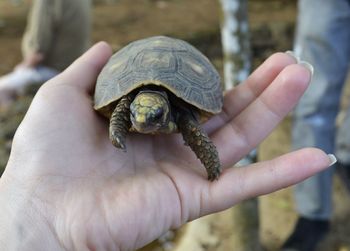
x,y
86,194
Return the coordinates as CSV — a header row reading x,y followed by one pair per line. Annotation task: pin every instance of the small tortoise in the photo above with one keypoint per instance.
x,y
161,85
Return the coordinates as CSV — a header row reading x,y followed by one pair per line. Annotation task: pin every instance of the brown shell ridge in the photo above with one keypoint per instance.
x,y
171,63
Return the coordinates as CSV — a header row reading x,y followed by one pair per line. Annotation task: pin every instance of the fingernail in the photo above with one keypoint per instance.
x,y
292,54
332,159
305,64
308,66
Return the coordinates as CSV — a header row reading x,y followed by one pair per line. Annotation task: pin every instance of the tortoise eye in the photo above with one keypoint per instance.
x,y
158,113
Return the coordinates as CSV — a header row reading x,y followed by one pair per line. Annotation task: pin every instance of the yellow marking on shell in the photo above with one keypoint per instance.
x,y
149,60
115,66
196,68
161,60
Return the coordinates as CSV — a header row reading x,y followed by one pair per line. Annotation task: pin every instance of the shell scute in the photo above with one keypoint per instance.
x,y
168,62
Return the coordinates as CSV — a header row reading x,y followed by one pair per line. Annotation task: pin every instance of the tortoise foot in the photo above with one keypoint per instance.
x,y
118,141
201,145
214,173
120,123
209,156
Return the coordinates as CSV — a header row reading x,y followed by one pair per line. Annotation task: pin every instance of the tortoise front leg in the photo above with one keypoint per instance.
x,y
200,144
120,122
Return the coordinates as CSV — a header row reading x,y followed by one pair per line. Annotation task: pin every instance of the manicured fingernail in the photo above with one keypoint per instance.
x,y
332,159
292,54
308,66
305,64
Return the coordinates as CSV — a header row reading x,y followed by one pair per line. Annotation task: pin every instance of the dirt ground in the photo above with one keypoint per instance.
x,y
118,22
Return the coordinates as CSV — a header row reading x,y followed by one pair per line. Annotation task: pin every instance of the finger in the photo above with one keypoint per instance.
x,y
84,71
238,184
257,120
238,98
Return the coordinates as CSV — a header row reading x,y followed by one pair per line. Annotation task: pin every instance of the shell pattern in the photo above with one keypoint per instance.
x,y
168,62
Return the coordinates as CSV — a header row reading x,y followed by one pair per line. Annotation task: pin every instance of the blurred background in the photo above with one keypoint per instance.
x,y
118,22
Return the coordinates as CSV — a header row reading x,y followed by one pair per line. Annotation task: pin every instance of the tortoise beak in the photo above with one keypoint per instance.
x,y
143,126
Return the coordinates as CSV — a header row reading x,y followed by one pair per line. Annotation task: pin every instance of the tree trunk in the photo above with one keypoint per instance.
x,y
237,228
235,41
237,66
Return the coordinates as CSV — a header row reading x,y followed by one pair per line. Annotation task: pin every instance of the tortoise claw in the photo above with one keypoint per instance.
x,y
213,174
118,141
120,123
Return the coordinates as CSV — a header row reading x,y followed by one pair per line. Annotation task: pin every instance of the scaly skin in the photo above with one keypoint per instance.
x,y
120,122
150,111
192,133
201,145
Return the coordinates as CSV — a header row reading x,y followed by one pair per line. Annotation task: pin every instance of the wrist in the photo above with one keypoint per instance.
x,y
33,59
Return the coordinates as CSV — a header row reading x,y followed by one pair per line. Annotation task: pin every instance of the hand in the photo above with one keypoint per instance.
x,y
31,60
66,187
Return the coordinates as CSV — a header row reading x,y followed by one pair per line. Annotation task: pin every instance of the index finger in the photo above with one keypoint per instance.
x,y
238,98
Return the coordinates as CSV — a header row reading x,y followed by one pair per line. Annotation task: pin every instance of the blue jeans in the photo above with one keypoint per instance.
x,y
323,39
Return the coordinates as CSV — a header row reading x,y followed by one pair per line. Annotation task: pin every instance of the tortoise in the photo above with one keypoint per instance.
x,y
161,85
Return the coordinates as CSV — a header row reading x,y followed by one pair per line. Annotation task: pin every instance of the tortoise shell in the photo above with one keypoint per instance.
x,y
167,62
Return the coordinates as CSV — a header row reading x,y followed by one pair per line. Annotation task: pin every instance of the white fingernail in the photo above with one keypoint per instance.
x,y
308,66
292,54
332,159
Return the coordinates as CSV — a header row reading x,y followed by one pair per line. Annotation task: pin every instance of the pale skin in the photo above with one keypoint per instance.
x,y
31,60
66,187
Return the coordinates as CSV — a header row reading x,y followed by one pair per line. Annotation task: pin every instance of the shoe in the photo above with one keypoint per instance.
x,y
306,235
343,171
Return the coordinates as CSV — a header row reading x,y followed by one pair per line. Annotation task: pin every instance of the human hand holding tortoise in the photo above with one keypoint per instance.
x,y
66,187
161,85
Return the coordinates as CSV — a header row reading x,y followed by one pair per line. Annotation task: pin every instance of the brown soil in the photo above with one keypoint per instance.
x,y
118,22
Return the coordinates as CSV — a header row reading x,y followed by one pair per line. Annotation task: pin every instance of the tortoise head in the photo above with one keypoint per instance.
x,y
150,111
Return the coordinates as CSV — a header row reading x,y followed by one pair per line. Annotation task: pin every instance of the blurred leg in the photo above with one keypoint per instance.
x,y
15,82
45,73
22,77
343,140
322,39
